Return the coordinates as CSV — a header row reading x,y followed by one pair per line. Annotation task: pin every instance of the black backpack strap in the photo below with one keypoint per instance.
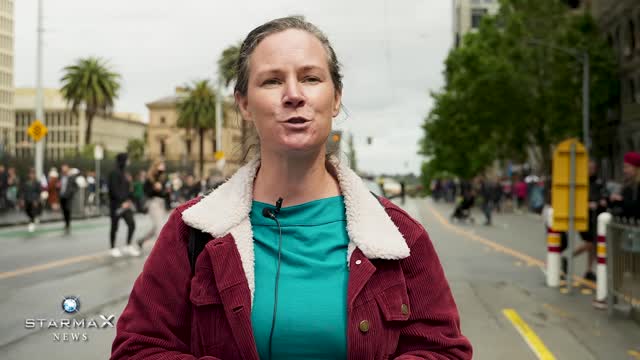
x,y
197,241
377,198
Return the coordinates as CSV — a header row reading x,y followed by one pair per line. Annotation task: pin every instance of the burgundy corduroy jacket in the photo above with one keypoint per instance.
x,y
399,302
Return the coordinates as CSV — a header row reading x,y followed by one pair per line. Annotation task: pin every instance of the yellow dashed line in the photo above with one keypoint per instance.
x,y
531,338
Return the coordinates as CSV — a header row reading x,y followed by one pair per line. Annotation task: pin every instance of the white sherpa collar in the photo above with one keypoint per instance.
x,y
226,210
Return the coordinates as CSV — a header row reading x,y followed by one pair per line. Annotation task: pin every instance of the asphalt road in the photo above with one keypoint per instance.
x,y
496,275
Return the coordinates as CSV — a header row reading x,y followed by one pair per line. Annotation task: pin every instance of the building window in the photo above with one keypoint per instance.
x,y
162,147
163,120
476,17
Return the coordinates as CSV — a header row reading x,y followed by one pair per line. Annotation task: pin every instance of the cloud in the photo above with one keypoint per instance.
x,y
392,54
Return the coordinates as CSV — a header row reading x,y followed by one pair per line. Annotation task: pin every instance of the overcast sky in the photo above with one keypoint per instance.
x,y
392,54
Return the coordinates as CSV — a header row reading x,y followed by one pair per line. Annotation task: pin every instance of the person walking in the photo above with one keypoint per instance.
x,y
30,198
68,188
53,189
301,260
627,203
4,185
488,193
597,205
156,194
121,206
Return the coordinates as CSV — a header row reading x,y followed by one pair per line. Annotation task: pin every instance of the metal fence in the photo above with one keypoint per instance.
x,y
623,267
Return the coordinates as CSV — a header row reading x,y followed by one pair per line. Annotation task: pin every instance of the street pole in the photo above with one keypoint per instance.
x,y
572,213
98,187
585,101
39,156
219,116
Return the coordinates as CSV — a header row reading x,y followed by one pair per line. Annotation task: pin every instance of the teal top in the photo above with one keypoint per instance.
x,y
311,317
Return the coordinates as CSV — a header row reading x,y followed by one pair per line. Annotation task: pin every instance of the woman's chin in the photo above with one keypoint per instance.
x,y
300,147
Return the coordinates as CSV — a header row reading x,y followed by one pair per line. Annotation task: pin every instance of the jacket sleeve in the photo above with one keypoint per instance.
x,y
433,329
155,324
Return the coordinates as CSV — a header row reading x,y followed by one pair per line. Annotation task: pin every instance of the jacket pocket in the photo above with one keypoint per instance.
x,y
394,303
395,309
209,327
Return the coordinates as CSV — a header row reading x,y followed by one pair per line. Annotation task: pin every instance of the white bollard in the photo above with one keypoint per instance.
x,y
553,250
601,250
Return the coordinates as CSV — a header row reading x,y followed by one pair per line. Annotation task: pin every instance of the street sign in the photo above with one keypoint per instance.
x,y
98,152
37,130
561,186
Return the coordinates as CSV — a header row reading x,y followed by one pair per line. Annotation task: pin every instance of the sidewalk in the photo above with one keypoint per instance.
x,y
493,268
19,217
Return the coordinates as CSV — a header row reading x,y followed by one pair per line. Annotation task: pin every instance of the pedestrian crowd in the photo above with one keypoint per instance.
x,y
67,190
532,193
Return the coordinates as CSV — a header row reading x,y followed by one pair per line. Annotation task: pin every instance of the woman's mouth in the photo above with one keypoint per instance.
x,y
297,123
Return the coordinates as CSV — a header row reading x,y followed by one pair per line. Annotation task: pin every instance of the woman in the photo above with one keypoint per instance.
x,y
30,197
627,204
330,272
155,194
53,189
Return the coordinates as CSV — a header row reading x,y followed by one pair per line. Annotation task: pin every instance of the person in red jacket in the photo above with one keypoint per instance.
x,y
302,262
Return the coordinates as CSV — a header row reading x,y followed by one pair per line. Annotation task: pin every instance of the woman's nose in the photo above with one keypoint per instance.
x,y
293,96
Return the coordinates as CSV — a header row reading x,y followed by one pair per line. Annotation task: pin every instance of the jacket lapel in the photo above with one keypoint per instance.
x,y
370,229
235,295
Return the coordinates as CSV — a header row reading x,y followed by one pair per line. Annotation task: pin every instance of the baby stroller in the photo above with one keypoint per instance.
x,y
462,212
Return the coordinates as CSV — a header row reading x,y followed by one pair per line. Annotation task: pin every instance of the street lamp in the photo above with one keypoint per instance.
x,y
583,57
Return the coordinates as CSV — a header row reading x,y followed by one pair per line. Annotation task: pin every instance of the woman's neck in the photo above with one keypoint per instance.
x,y
294,179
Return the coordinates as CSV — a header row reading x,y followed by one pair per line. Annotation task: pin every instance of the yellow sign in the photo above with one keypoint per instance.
x,y
37,130
218,155
561,183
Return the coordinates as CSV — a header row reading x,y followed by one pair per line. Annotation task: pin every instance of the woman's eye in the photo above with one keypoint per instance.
x,y
311,79
271,82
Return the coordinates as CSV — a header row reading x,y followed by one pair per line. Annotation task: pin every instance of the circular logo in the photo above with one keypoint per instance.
x,y
70,305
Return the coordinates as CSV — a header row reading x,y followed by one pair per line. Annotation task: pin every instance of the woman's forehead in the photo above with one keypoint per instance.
x,y
286,48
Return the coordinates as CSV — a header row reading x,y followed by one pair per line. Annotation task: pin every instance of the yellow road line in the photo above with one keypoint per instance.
x,y
52,265
534,342
634,353
501,248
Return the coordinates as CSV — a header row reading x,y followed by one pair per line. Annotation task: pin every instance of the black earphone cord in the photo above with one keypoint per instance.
x,y
272,215
275,296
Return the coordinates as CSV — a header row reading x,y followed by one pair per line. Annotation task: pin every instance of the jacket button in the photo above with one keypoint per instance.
x,y
358,262
364,326
404,309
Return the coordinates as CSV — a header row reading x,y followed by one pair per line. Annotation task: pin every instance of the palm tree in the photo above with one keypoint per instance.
x,y
227,75
90,83
197,110
227,64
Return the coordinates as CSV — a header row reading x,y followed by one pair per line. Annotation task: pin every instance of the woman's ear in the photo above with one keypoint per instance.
x,y
242,102
337,103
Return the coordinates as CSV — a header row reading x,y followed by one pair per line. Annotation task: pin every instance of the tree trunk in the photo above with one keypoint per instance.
x,y
201,134
89,119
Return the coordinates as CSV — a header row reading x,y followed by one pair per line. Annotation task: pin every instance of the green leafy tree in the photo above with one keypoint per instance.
x,y
197,111
135,148
507,96
92,84
227,64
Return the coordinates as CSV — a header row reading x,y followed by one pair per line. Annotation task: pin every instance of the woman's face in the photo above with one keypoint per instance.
x,y
629,171
291,97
